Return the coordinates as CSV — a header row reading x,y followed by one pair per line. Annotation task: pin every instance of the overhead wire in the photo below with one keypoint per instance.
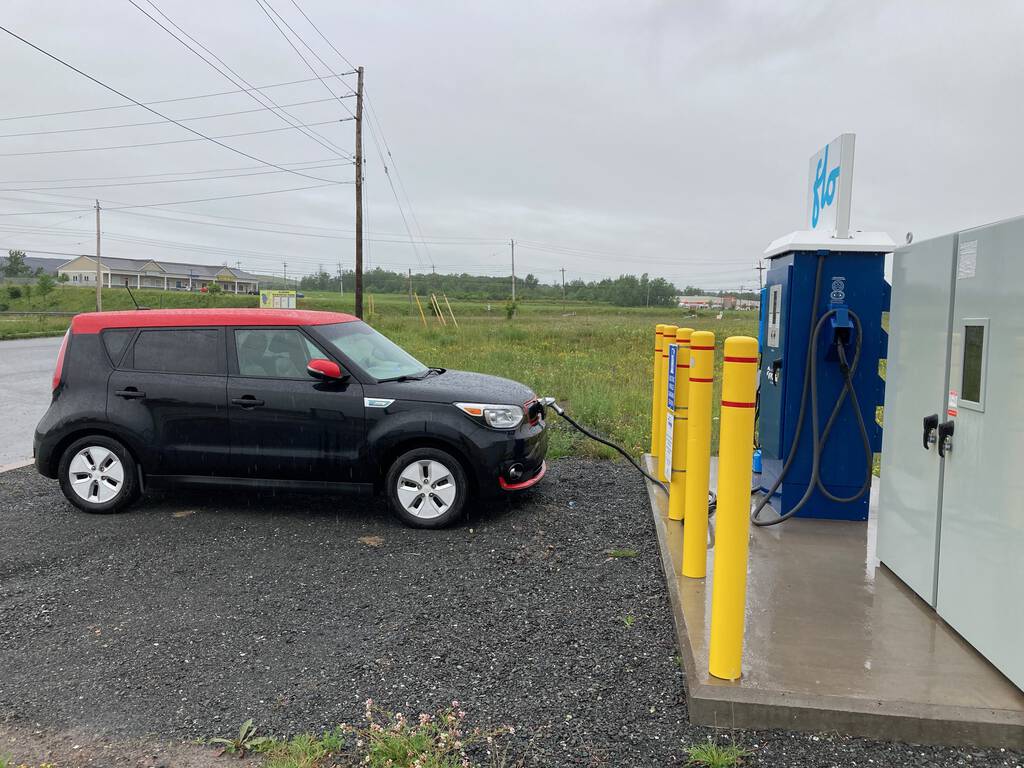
x,y
178,141
154,122
126,97
234,78
166,101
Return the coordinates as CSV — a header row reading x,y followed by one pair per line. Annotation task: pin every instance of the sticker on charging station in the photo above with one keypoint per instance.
x,y
670,410
954,401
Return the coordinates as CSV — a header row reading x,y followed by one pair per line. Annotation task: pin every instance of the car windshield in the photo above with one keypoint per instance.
x,y
373,352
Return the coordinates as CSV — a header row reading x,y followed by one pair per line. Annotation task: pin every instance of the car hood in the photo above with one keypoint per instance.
x,y
457,387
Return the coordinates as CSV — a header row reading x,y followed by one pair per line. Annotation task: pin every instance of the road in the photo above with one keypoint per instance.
x,y
26,369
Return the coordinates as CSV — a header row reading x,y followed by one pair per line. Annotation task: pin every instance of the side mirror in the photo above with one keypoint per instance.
x,y
325,370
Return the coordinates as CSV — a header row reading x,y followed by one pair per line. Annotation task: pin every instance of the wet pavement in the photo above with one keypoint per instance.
x,y
26,369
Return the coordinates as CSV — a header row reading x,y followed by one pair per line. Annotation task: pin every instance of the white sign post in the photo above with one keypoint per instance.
x,y
830,188
670,411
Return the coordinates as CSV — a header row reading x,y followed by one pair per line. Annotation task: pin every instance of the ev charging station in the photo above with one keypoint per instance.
x,y
950,517
819,383
816,624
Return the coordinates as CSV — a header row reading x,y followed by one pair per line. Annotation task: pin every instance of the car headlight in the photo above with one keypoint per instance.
x,y
495,416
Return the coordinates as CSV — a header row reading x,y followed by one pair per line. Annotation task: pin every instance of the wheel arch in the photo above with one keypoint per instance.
x,y
76,434
389,456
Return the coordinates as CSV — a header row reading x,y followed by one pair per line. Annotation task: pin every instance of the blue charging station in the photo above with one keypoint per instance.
x,y
822,339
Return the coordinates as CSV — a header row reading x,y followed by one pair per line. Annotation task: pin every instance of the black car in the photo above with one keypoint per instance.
x,y
278,399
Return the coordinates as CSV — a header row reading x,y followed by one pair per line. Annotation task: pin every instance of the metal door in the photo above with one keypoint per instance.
x,y
916,370
981,553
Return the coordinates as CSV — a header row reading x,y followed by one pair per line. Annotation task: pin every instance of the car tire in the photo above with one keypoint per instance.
x,y
99,475
427,488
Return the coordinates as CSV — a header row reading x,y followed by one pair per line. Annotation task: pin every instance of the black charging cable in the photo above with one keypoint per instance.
x,y
550,402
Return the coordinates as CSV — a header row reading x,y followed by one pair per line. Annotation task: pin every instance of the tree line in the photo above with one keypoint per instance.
x,y
623,291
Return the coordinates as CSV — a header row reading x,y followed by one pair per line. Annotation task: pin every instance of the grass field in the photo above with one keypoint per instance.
x,y
596,359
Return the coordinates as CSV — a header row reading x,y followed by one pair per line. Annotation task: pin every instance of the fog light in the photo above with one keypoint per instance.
x,y
515,472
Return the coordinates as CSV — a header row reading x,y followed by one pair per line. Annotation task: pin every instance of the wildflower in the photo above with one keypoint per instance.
x,y
424,718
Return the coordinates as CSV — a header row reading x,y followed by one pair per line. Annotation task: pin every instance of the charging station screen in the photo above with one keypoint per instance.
x,y
974,345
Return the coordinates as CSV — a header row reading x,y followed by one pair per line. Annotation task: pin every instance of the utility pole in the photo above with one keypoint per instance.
x,y
563,290
341,280
99,273
359,196
410,286
760,275
284,266
513,271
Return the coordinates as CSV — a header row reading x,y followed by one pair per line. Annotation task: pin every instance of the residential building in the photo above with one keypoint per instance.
x,y
151,273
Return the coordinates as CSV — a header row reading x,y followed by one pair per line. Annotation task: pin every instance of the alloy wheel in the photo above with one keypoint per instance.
x,y
426,488
96,474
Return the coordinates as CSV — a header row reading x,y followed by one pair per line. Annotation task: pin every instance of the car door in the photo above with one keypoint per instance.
x,y
169,396
285,424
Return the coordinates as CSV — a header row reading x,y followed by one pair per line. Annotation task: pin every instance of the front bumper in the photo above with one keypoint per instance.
x,y
522,485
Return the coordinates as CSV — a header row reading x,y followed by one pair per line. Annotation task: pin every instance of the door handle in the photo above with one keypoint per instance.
x,y
130,393
945,438
247,402
931,423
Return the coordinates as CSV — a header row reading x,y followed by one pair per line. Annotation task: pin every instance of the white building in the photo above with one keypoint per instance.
x,y
150,273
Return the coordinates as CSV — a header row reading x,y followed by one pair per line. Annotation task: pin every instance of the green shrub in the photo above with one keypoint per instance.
x,y
13,292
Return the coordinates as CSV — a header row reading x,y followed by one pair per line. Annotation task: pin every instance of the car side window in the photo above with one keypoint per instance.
x,y
279,353
115,340
179,350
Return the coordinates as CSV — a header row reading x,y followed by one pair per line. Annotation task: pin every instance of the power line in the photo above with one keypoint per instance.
x,y
165,181
322,35
153,175
181,141
373,135
184,202
168,101
156,122
234,78
298,37
155,112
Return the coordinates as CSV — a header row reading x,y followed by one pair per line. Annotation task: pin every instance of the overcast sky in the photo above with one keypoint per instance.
x,y
663,137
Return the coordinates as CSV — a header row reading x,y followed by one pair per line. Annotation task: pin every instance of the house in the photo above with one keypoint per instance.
x,y
700,302
150,273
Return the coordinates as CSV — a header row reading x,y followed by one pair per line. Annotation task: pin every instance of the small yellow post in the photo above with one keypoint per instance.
x,y
698,454
423,317
656,391
677,485
729,587
668,333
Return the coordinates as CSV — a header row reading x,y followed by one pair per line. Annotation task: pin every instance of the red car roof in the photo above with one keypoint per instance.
x,y
94,322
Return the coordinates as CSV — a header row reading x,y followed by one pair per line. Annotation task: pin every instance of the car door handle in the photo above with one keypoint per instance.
x,y
945,438
931,423
247,402
130,393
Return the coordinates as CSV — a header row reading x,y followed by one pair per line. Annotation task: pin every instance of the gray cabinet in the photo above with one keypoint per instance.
x,y
951,505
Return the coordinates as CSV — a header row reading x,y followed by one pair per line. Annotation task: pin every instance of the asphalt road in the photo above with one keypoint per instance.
x,y
26,370
195,611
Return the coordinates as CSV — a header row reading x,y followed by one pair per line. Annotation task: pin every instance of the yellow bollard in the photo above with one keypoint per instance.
x,y
677,485
698,454
729,586
656,391
668,333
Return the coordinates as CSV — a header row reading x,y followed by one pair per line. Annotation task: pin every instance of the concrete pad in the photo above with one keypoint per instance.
x,y
835,642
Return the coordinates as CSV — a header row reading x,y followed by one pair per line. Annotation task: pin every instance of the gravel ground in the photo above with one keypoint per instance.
x,y
196,611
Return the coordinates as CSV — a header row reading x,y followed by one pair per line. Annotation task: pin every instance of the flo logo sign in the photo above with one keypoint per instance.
x,y
829,187
823,190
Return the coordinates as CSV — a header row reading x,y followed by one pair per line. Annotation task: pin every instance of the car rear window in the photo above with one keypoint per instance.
x,y
115,341
181,350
